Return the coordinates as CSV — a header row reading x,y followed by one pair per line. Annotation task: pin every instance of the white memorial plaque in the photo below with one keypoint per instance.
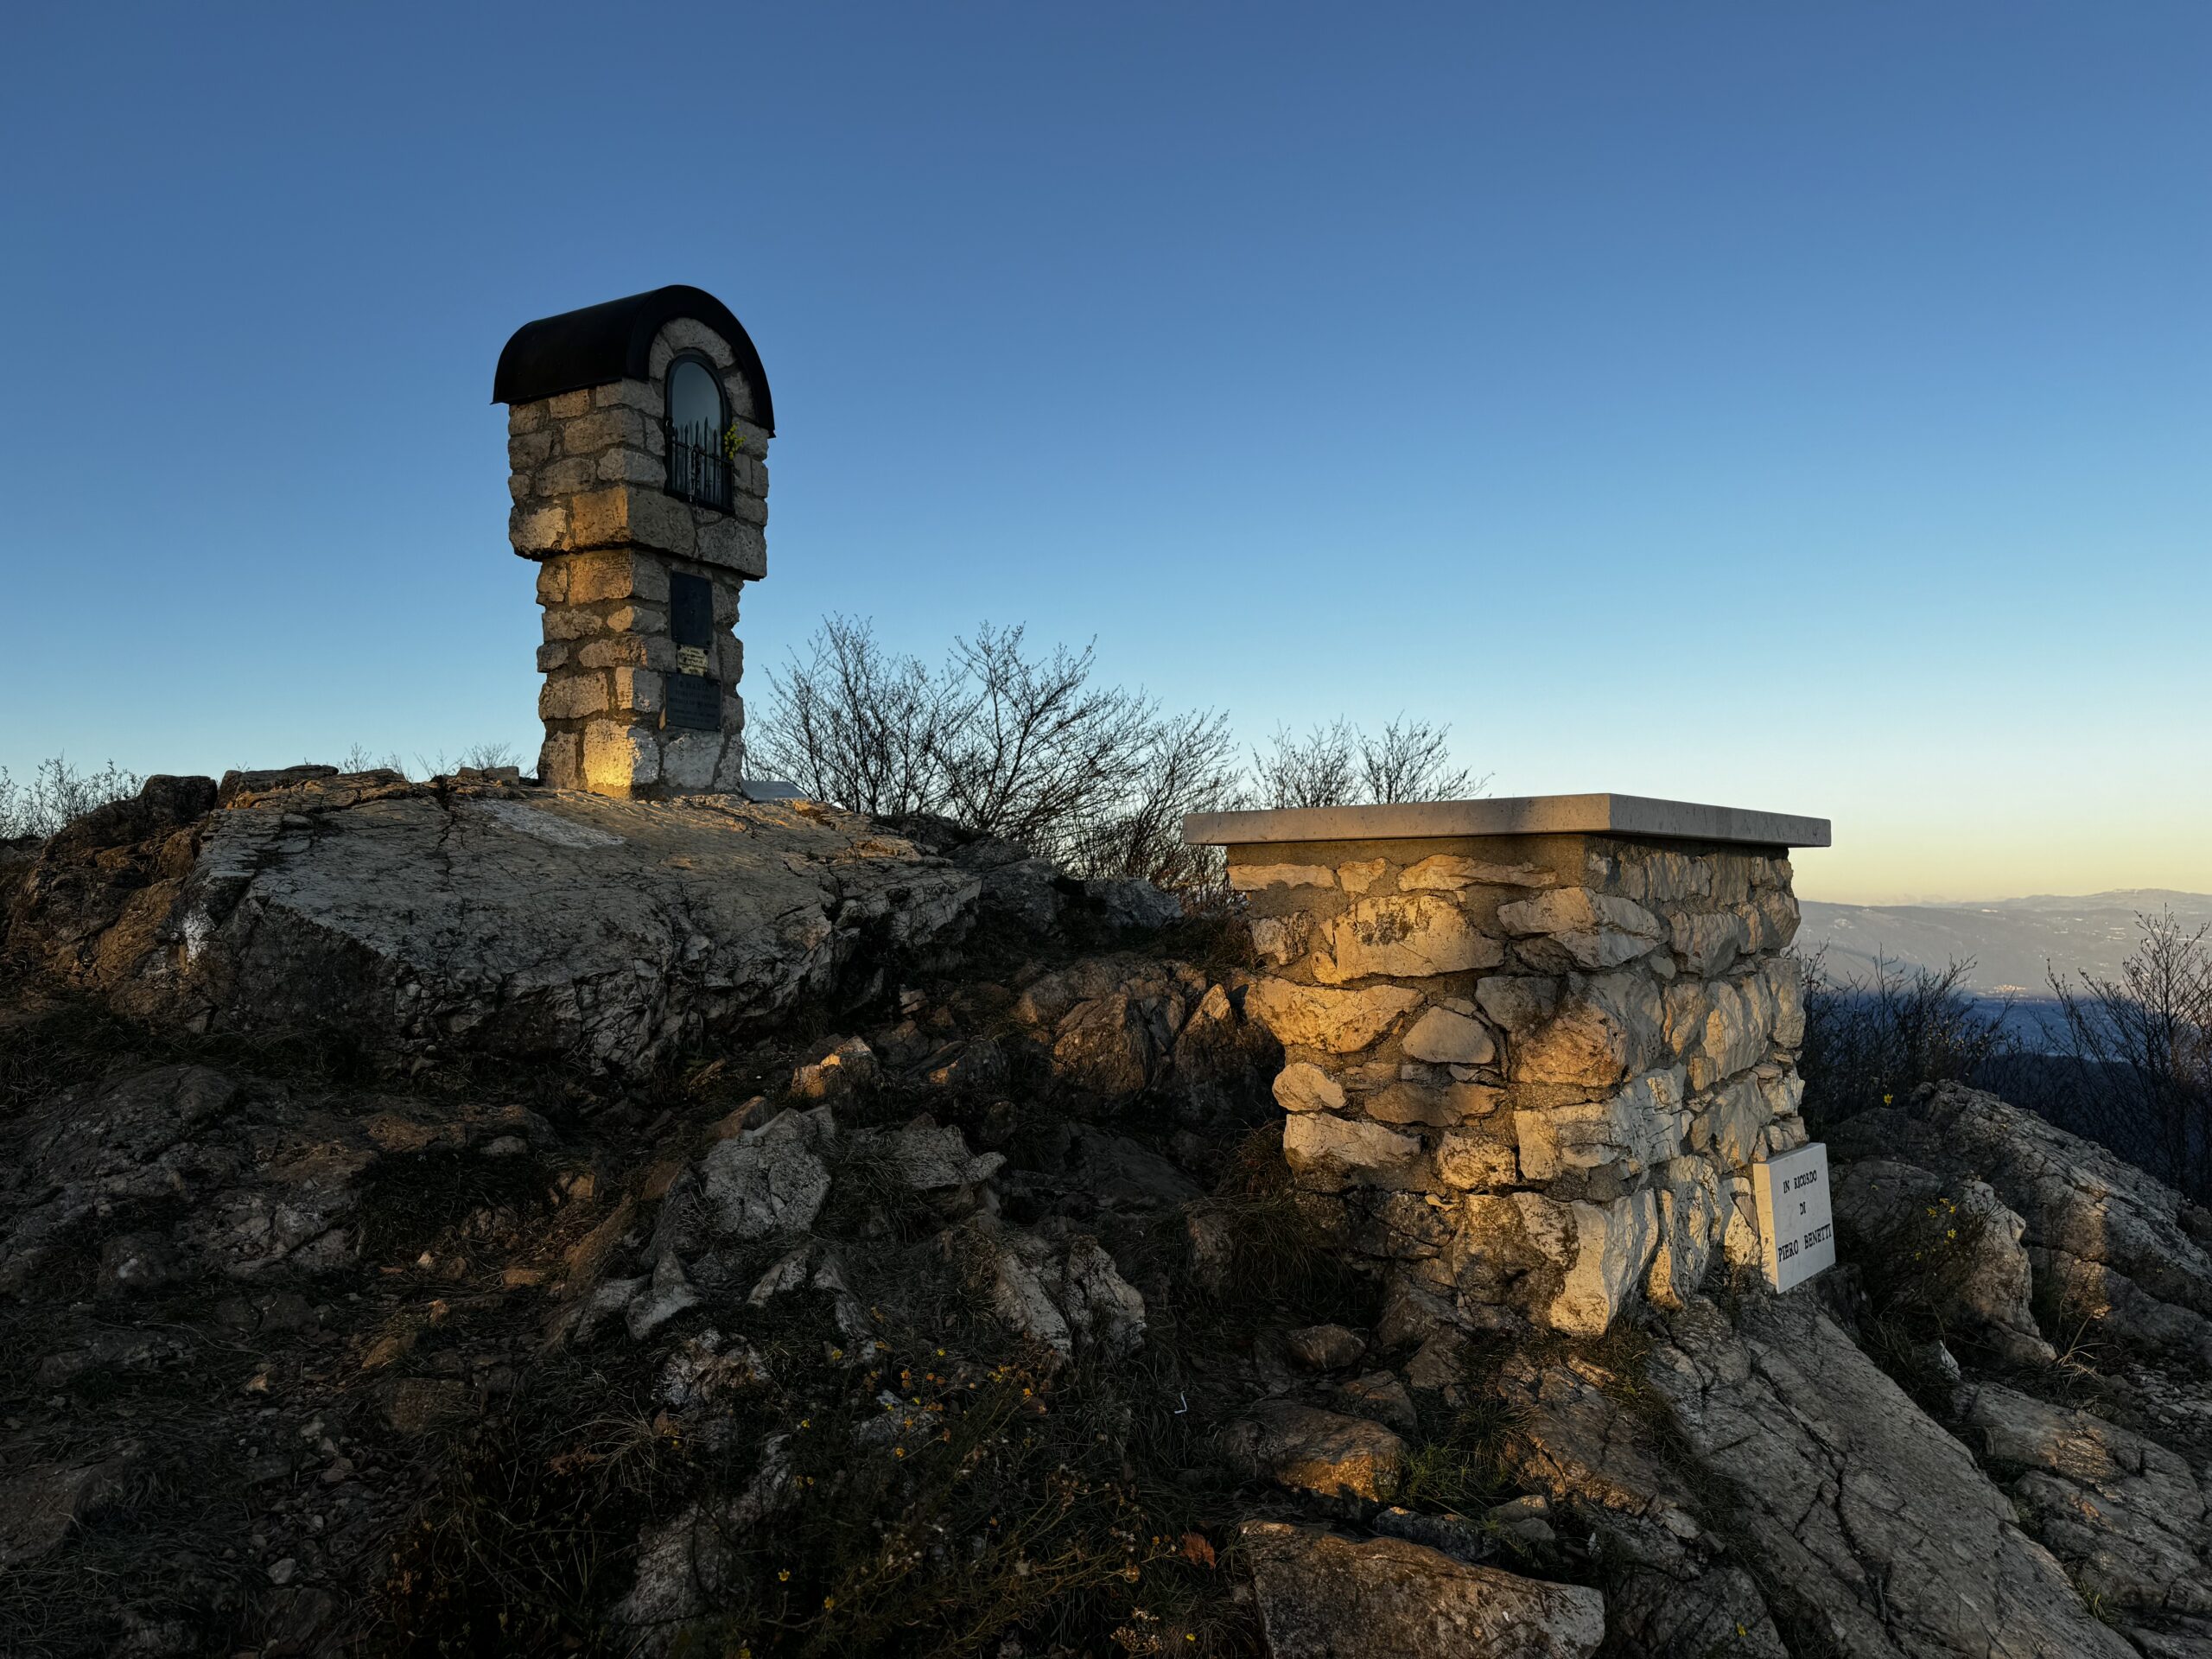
x,y
1796,1228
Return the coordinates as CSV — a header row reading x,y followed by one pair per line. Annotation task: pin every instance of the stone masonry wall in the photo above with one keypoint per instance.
x,y
587,473
1532,1072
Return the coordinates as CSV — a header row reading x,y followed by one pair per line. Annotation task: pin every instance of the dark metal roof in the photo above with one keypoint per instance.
x,y
601,344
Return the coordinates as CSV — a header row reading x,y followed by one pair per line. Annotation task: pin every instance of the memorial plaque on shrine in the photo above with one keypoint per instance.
x,y
694,703
1796,1228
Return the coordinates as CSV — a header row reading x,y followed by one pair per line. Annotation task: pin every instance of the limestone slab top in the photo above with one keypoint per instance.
x,y
1524,815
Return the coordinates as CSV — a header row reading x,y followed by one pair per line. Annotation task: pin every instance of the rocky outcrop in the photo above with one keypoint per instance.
x,y
1956,1241
482,915
2128,1517
1322,1596
2111,1261
1868,1522
185,1170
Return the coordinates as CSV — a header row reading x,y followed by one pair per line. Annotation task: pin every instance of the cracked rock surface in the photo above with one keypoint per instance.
x,y
1858,1505
487,915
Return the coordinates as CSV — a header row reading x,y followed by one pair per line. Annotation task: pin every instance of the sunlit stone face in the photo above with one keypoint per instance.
x,y
693,402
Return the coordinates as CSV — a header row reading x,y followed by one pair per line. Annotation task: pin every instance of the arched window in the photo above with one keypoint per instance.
x,y
697,469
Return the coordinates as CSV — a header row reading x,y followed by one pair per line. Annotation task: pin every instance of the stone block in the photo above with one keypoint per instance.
x,y
570,622
1785,982
637,690
1733,1036
567,476
654,651
566,405
1257,878
1361,874
639,395
1611,1245
688,759
623,465
601,428
528,451
1598,929
553,581
1734,1122
1302,1087
551,655
620,757
1471,1161
1690,1226
1451,1037
1607,1027
1708,945
525,417
541,528
1328,1153
1439,1105
729,544
572,697
1635,1128
1415,935
618,573
561,760
1448,873
1342,1022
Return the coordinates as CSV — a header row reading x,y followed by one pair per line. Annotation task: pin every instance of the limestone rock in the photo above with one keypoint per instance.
x,y
1300,1087
2104,1240
1406,936
1066,1292
1328,1153
1612,1243
1871,1520
1689,1228
1342,1023
1634,1128
933,1159
206,1174
1127,902
1448,1037
1324,1347
848,1068
1449,873
1320,1451
1957,1242
1326,1597
480,915
770,1179
1599,931
1605,1028
2128,1517
1257,878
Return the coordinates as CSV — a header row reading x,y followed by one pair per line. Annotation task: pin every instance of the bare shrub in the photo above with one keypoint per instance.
x,y
58,794
1320,769
2141,1048
1022,746
1028,747
1869,1042
1338,765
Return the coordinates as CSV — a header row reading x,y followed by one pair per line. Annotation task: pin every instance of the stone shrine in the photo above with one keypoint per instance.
x,y
1533,1048
637,440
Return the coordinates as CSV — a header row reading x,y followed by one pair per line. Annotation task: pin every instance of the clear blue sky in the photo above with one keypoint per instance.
x,y
1796,406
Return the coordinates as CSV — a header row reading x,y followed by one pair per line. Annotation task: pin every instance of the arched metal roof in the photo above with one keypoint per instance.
x,y
604,343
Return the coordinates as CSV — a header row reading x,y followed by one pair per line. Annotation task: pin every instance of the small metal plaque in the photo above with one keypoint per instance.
x,y
694,703
692,659
690,610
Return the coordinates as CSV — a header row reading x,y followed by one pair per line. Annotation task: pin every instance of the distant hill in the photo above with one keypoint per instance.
x,y
2013,941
